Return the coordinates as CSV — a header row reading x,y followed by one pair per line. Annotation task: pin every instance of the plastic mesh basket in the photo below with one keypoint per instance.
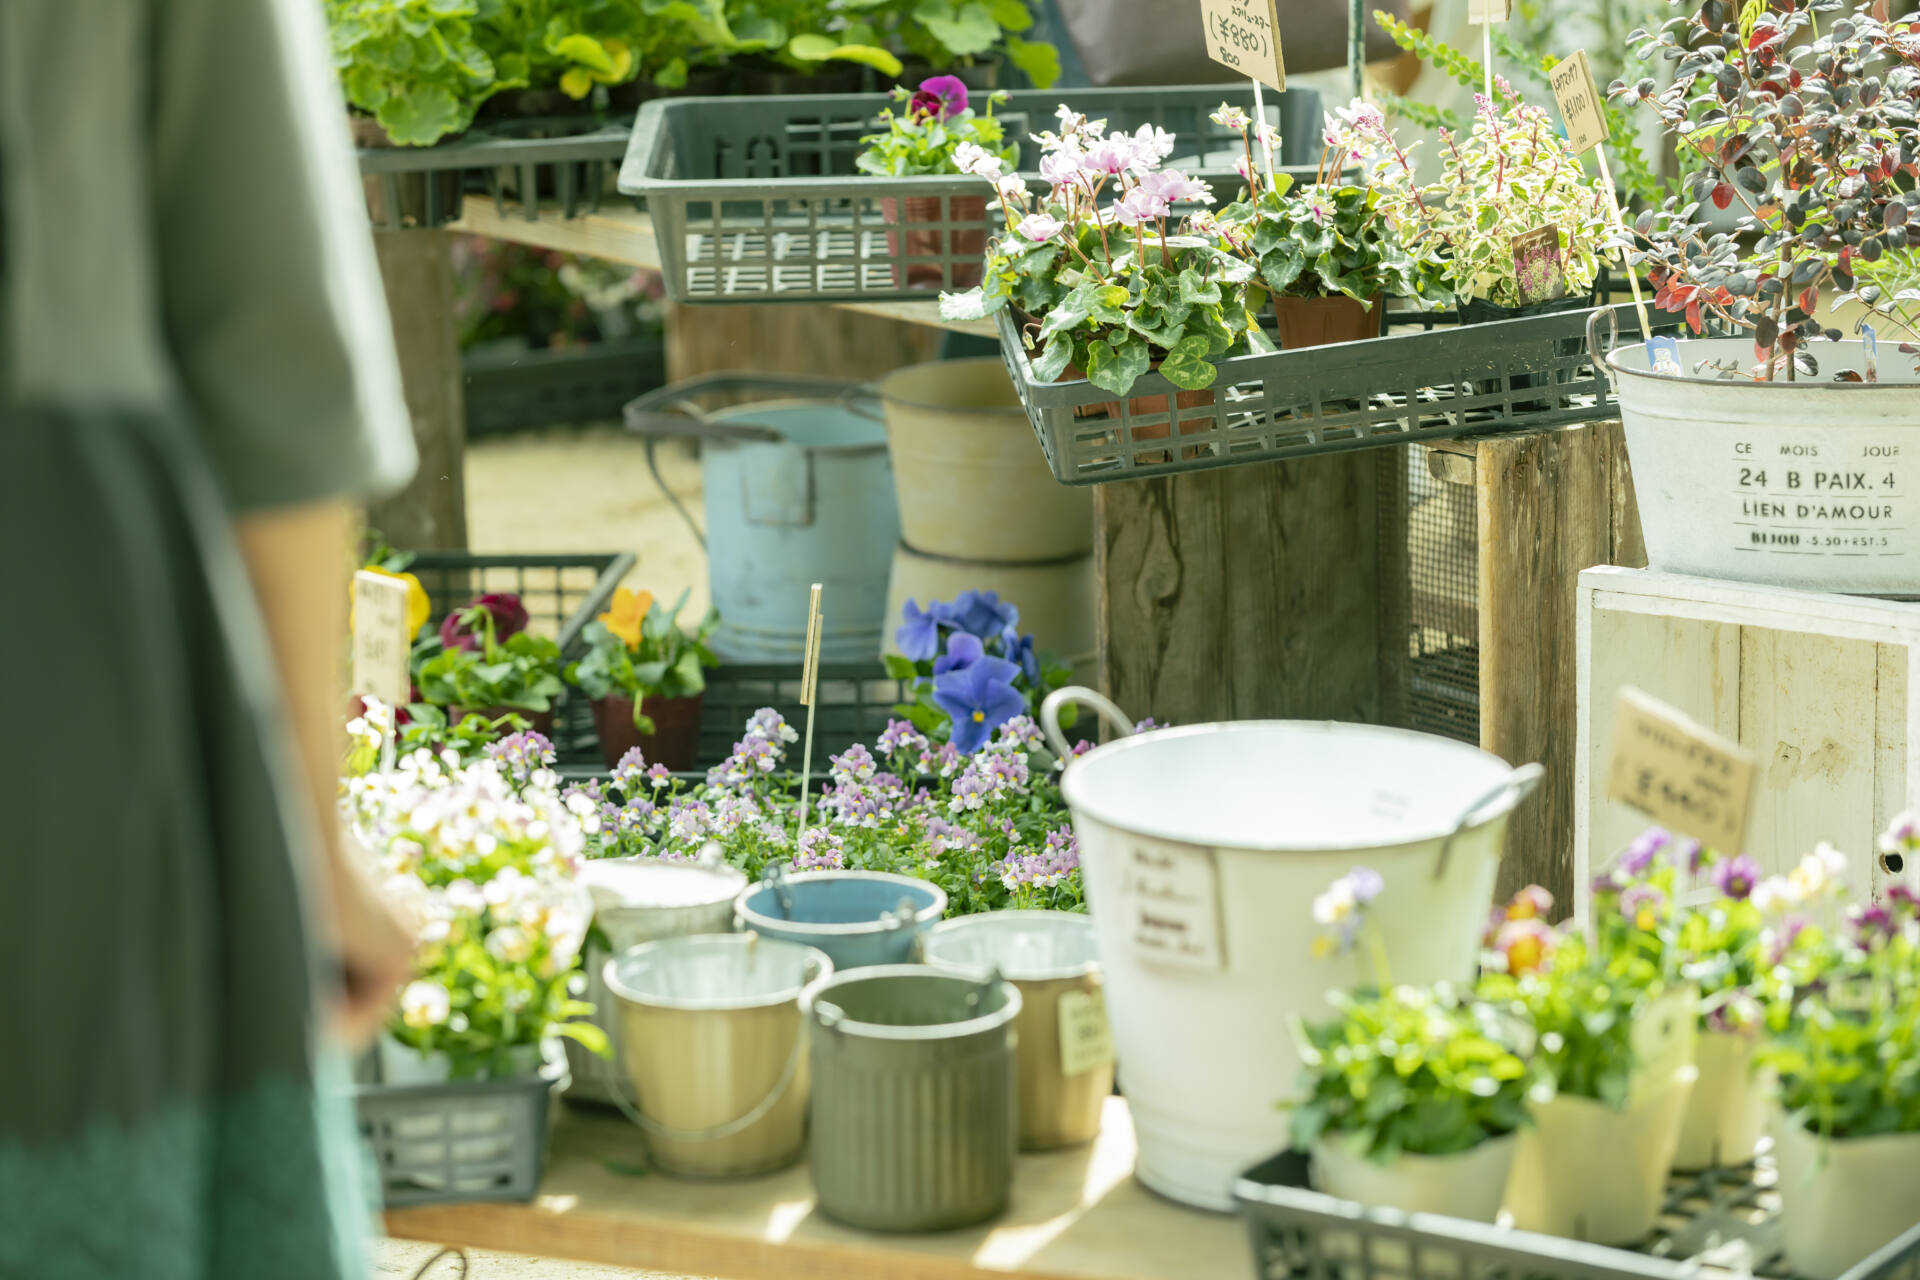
x,y
470,1140
758,198
518,163
1721,1220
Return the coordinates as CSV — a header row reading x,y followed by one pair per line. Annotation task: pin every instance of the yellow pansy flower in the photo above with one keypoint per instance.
x,y
419,607
629,611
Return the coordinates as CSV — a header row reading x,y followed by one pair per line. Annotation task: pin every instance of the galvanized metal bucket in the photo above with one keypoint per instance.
x,y
638,900
1066,1055
711,1037
914,1097
1203,848
797,490
858,918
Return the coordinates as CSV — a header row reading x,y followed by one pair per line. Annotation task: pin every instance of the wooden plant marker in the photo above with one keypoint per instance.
x,y
809,689
1680,773
1245,35
381,646
1572,81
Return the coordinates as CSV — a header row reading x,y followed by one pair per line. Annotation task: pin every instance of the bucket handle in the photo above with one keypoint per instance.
x,y
817,979
1594,350
1050,716
901,917
775,875
858,393
1519,784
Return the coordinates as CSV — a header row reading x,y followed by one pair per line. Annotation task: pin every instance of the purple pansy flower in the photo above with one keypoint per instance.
x,y
1736,877
1639,854
980,697
919,633
942,96
981,613
1019,651
963,651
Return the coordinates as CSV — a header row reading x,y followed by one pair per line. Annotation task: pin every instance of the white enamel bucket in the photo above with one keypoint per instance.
x,y
1202,849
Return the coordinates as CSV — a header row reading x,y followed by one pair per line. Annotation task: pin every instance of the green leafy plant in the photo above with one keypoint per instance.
x,y
417,66
1419,1071
1582,1007
933,121
953,33
638,650
522,671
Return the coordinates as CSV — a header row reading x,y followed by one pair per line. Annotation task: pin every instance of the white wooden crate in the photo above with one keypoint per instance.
x,y
1815,685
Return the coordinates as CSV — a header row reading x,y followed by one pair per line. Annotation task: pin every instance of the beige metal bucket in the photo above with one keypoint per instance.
x,y
711,1038
972,482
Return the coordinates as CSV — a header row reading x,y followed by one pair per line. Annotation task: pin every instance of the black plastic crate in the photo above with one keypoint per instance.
x,y
1719,1220
511,389
570,160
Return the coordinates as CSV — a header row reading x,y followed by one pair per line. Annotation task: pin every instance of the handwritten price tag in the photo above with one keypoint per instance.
x,y
1480,12
1683,775
1170,897
1086,1041
380,639
1572,81
1245,35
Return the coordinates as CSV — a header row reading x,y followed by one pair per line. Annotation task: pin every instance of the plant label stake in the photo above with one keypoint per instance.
x,y
1245,35
1484,13
1681,774
380,645
809,687
1572,81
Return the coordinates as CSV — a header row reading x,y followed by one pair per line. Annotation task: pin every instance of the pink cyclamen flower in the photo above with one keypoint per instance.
x,y
1060,168
1230,118
1113,155
1154,143
1173,186
1241,167
1141,206
1040,227
1362,117
1011,187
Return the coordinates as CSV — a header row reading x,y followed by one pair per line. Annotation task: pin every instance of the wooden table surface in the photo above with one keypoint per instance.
x,y
617,232
1076,1215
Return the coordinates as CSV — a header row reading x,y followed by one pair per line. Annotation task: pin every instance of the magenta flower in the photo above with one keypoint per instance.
x,y
462,629
1736,877
942,96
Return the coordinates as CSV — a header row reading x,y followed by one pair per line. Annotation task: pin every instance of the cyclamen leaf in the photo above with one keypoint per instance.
x,y
1054,358
1107,303
1198,291
1186,365
1117,369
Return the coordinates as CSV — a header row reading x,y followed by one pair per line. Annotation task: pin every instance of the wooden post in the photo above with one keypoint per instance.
x,y
1242,593
430,514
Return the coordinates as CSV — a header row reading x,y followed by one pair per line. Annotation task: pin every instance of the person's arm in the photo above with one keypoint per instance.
x,y
297,558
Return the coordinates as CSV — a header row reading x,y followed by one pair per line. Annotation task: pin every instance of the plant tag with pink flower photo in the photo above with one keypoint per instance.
x,y
380,640
1245,35
1537,268
1170,898
1680,773
1086,1041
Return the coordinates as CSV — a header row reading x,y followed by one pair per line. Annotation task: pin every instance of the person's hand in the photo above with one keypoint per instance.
x,y
374,948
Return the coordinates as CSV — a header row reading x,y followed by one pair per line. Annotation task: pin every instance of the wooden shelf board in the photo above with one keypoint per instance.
x,y
621,233
1075,1215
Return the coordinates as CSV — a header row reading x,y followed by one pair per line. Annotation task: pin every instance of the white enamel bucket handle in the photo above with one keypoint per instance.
x,y
1050,716
1595,351
1518,785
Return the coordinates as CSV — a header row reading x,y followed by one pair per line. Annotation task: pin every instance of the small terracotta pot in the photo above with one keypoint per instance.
x,y
540,721
674,742
1316,322
1138,406
923,241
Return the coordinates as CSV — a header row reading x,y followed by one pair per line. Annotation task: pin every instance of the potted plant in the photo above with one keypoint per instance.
x,y
1616,1048
920,139
646,678
1843,1034
1108,278
1327,253
485,662
1511,174
1775,455
1415,1098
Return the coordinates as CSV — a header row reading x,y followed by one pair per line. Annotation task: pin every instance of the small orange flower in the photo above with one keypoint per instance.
x,y
629,611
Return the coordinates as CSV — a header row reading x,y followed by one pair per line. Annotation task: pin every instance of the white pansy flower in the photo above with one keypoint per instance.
x,y
424,1004
510,943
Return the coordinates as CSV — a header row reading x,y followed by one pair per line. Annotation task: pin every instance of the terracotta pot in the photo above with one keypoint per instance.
x,y
540,721
1316,322
970,245
408,206
674,742
1138,406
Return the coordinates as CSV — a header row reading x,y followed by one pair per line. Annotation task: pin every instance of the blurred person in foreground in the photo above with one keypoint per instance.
x,y
196,378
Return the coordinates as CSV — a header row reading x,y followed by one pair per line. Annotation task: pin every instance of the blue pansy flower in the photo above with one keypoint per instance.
x,y
963,650
1019,650
981,613
919,633
980,697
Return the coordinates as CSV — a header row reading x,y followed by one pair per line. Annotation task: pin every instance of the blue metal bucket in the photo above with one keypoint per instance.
x,y
858,918
797,491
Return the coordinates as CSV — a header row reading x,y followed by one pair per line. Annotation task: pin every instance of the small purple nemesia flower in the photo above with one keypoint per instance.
x,y
820,850
1903,898
942,96
659,775
1366,884
520,754
901,738
632,767
1643,905
1147,726
1870,923
1736,877
1639,855
1695,854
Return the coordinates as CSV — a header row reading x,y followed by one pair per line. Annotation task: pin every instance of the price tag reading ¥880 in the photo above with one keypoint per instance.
x,y
1572,81
1086,1041
1245,35
380,639
1683,775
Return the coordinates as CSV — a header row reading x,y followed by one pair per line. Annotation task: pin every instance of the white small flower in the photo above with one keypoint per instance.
x,y
1336,904
425,1004
971,157
1012,187
465,895
510,943
1774,895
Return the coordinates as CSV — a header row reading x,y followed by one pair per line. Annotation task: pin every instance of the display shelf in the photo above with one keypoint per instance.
x,y
1815,685
1076,1215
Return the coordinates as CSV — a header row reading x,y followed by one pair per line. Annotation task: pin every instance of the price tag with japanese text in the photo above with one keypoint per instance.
x,y
1245,35
1170,900
380,640
1572,81
1480,12
1681,774
1086,1041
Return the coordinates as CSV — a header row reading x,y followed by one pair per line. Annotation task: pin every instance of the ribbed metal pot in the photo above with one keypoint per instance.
x,y
913,1097
1051,957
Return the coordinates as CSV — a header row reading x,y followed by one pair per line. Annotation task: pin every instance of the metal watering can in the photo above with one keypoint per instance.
x,y
798,490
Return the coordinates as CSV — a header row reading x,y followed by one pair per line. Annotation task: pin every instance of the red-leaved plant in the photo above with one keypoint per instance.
x,y
1803,112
